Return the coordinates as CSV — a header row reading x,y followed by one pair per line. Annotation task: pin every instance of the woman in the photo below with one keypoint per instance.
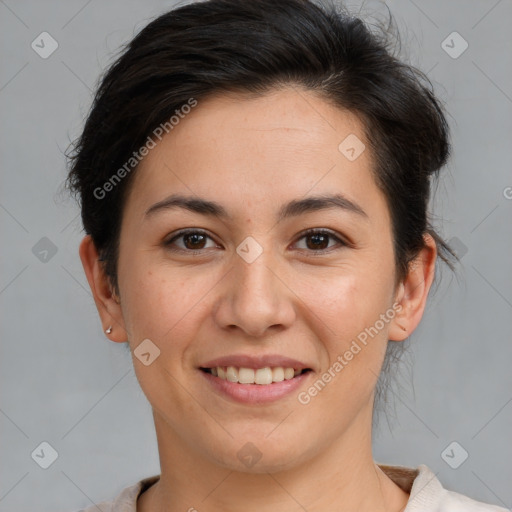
x,y
254,180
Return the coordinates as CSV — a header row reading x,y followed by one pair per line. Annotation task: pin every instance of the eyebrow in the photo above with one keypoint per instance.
x,y
291,209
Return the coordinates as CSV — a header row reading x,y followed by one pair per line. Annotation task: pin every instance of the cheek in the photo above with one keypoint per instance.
x,y
164,304
346,301
157,302
345,311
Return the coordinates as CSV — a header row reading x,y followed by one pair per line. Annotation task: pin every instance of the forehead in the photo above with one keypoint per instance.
x,y
259,151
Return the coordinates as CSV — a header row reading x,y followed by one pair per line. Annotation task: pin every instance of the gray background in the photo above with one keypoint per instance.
x,y
62,382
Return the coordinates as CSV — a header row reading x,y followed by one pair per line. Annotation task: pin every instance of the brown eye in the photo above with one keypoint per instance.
x,y
194,241
190,241
319,240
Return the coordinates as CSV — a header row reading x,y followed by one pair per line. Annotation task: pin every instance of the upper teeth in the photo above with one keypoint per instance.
x,y
265,375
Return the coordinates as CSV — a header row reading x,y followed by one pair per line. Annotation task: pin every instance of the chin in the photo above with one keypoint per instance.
x,y
259,456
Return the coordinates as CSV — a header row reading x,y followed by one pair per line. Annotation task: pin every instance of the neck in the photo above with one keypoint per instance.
x,y
343,477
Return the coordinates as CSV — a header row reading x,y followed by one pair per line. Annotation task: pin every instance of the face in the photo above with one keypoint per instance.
x,y
286,262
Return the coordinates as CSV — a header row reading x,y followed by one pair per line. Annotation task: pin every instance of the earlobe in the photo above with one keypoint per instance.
x,y
413,291
107,305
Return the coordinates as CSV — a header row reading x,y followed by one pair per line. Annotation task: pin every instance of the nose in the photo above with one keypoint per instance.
x,y
254,298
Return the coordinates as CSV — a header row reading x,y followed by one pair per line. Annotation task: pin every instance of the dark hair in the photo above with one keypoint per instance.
x,y
218,46
253,47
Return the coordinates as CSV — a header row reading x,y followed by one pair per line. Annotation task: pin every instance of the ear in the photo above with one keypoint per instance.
x,y
413,291
108,305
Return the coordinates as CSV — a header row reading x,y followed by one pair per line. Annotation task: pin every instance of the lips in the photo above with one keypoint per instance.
x,y
262,376
262,370
255,362
254,394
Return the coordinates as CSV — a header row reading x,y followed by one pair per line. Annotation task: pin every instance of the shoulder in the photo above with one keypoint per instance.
x,y
126,501
428,495
455,502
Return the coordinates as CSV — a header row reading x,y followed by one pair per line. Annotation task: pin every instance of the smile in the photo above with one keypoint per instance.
x,y
262,376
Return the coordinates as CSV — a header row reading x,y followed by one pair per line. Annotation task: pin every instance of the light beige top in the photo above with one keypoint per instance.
x,y
426,494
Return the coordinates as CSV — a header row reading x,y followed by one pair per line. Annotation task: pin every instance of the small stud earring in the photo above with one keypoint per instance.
x,y
109,330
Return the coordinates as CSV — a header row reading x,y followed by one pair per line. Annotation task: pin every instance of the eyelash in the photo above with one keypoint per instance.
x,y
304,234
